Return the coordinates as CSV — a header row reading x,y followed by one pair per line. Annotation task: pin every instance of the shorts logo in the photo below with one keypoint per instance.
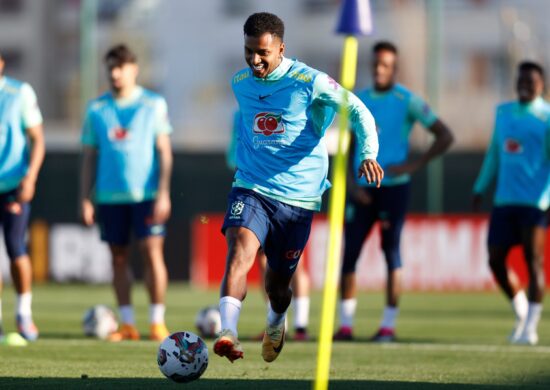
x,y
237,208
293,254
268,123
513,146
119,134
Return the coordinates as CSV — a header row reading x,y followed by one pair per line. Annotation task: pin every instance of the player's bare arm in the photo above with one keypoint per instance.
x,y
443,140
87,178
37,152
163,205
372,171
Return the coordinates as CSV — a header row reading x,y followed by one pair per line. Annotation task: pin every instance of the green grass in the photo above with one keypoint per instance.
x,y
446,340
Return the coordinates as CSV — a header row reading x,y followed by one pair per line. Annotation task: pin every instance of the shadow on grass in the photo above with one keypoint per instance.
x,y
138,383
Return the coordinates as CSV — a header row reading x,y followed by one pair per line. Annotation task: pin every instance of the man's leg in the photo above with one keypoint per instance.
x,y
533,247
300,298
122,284
15,221
156,280
243,246
278,290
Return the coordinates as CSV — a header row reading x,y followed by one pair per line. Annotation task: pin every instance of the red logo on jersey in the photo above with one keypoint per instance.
x,y
268,123
293,254
512,146
119,134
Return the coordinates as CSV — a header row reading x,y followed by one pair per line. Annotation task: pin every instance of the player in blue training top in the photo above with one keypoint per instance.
x,y
127,145
395,110
519,158
21,155
281,173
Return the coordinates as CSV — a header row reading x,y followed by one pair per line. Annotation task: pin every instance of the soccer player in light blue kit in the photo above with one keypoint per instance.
x,y
22,152
126,138
519,158
395,110
282,165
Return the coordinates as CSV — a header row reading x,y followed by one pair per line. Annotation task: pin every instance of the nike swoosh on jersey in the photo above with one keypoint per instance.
x,y
262,97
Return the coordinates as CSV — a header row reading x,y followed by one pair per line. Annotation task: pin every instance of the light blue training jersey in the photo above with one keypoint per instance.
x,y
395,112
18,112
519,156
280,151
124,131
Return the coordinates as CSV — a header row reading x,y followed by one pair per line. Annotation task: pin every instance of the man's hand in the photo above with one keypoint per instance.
x,y
26,189
87,212
372,171
161,208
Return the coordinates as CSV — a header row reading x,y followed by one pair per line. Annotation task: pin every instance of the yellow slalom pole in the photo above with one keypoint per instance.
x,y
336,219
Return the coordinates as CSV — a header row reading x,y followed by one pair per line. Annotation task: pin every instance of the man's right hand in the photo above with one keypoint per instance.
x,y
87,212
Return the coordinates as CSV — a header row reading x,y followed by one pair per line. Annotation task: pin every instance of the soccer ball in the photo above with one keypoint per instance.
x,y
208,322
182,357
99,321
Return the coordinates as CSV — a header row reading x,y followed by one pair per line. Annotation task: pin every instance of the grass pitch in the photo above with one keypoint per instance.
x,y
446,340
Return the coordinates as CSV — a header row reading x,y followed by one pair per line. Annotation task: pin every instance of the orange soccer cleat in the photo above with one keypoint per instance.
x,y
124,332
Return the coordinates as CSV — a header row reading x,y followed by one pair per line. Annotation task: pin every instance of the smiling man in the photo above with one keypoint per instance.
x,y
282,165
519,158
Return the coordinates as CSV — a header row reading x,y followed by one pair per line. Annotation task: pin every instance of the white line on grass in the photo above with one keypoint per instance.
x,y
469,348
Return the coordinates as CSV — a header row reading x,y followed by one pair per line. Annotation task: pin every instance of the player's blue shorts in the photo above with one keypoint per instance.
x,y
282,229
389,206
508,222
14,218
117,221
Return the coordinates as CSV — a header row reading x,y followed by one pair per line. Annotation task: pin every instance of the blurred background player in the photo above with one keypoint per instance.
x,y
519,158
300,283
22,152
395,110
282,166
127,154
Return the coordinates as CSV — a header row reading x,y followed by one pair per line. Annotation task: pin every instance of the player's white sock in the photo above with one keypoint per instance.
x,y
156,313
389,317
533,317
301,312
127,314
23,306
520,305
275,319
347,312
230,310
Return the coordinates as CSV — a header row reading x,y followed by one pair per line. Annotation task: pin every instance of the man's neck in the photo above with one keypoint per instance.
x,y
124,93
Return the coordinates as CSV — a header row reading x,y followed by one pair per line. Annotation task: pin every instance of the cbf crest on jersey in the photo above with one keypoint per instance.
x,y
237,208
119,134
268,123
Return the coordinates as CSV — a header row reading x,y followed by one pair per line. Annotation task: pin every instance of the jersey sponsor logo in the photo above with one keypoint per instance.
x,y
237,208
268,123
513,146
119,134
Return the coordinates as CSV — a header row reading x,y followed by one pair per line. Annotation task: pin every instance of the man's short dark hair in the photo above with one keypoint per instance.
x,y
528,66
384,46
119,55
263,22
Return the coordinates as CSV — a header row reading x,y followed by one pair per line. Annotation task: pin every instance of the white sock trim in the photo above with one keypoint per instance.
x,y
230,310
23,306
389,317
301,312
347,312
156,313
127,314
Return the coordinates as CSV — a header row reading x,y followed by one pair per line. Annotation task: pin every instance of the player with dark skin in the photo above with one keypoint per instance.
x,y
384,73
529,89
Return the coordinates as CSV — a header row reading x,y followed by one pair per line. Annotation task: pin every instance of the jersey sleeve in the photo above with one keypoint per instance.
x,y
89,136
231,152
489,168
420,111
328,92
162,123
31,114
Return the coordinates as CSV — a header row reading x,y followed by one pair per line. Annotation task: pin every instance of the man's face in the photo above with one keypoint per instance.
x,y
384,69
121,75
529,86
263,54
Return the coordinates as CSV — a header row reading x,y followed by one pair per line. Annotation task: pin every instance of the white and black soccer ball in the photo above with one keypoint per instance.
x,y
208,322
99,321
182,357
